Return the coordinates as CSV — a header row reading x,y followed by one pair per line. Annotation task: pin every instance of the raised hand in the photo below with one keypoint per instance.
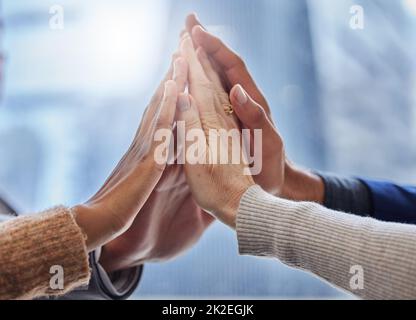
x,y
216,186
112,210
170,221
279,176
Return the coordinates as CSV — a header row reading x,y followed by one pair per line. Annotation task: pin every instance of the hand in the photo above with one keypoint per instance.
x,y
170,221
216,186
112,210
279,176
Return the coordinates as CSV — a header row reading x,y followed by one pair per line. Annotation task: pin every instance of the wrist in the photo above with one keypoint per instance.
x,y
302,185
82,215
229,211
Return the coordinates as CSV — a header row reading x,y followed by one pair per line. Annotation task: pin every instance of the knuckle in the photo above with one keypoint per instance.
x,y
192,123
209,115
158,168
175,56
150,167
223,96
206,85
239,61
179,77
163,122
209,119
258,115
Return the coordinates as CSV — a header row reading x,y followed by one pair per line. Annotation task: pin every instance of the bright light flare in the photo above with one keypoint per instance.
x,y
124,44
410,5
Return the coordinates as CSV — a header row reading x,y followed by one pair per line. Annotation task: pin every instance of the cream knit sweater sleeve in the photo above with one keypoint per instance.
x,y
35,248
335,246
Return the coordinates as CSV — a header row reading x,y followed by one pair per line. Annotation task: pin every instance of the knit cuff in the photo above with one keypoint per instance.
x,y
258,221
42,255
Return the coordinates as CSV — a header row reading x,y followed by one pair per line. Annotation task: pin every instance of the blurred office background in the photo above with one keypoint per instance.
x,y
343,99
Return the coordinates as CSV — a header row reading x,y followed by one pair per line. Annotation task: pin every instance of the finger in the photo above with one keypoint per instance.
x,y
167,108
149,167
220,92
234,67
192,21
199,84
250,113
149,113
154,115
196,72
215,48
180,73
131,192
188,117
208,68
254,117
144,130
162,134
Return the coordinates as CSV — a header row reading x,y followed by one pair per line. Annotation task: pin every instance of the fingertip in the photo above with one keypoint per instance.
x,y
202,37
239,95
237,107
233,91
194,16
191,20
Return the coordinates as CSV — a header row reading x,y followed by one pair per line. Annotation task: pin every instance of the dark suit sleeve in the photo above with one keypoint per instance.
x,y
117,286
347,195
383,201
392,202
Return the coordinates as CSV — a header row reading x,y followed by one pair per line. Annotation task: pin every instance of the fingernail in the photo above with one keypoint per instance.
x,y
183,102
241,95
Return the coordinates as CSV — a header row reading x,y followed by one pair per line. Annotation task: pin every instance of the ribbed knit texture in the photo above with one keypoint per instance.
x,y
329,243
30,246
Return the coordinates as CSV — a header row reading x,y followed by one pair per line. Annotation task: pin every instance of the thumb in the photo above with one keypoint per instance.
x,y
249,112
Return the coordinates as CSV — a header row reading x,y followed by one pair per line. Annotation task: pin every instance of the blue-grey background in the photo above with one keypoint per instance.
x,y
343,99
